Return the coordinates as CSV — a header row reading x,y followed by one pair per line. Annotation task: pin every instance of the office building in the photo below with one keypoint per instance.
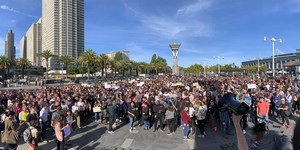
x,y
33,43
63,28
280,60
23,47
125,55
9,48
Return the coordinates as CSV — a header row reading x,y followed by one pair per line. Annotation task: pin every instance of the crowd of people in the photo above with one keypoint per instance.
x,y
191,103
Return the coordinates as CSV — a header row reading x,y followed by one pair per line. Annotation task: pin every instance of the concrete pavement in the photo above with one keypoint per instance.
x,y
95,136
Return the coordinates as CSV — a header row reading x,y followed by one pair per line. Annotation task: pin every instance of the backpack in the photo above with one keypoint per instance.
x,y
27,135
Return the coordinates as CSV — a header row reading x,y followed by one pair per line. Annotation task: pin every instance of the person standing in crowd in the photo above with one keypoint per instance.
x,y
158,110
244,120
81,106
132,112
284,112
185,119
111,115
98,114
44,120
296,103
9,126
213,116
146,113
262,110
277,101
289,100
170,119
59,127
202,109
75,112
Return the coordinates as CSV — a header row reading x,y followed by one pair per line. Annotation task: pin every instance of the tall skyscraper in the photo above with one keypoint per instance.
x,y
23,47
63,28
10,49
33,43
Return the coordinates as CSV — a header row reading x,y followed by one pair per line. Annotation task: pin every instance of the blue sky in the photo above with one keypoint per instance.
x,y
232,29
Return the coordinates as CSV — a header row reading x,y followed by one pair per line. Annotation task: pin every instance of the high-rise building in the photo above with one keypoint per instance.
x,y
63,28
10,49
125,55
33,43
23,47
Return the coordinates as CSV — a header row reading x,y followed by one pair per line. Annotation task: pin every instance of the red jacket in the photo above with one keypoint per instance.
x,y
185,118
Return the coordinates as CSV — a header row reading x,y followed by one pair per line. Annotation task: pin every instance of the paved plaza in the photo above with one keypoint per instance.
x,y
95,136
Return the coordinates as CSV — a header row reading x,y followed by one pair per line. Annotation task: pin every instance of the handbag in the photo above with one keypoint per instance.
x,y
9,137
96,109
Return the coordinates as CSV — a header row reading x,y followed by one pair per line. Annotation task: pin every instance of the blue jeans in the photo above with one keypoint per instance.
x,y
263,118
131,120
186,130
146,123
98,116
225,120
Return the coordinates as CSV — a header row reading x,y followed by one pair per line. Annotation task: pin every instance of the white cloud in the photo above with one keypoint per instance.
x,y
139,53
199,5
5,7
184,24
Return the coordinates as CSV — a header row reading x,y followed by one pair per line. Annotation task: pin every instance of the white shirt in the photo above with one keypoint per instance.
x,y
44,114
75,108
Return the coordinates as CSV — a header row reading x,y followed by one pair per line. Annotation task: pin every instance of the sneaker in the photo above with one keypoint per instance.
x,y
204,133
186,138
288,126
173,132
131,130
154,130
282,126
134,128
244,131
161,130
169,134
111,132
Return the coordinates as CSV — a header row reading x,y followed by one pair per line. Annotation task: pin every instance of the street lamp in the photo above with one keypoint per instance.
x,y
174,47
219,66
273,40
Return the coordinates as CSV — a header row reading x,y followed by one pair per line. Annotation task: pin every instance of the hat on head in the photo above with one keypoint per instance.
x,y
282,99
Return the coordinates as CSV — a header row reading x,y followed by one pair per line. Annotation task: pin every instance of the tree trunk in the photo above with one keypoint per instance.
x,y
66,71
137,71
23,72
123,71
88,67
46,69
115,70
82,70
102,71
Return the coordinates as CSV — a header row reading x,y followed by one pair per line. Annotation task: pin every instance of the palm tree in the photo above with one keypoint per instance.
x,y
23,63
46,54
66,60
104,61
81,61
89,57
5,63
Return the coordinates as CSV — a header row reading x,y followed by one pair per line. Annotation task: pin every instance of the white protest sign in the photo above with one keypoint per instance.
x,y
251,86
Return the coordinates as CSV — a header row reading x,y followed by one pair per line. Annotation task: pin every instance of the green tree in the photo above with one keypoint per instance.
x,y
5,63
23,63
118,56
104,62
66,60
46,54
89,57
